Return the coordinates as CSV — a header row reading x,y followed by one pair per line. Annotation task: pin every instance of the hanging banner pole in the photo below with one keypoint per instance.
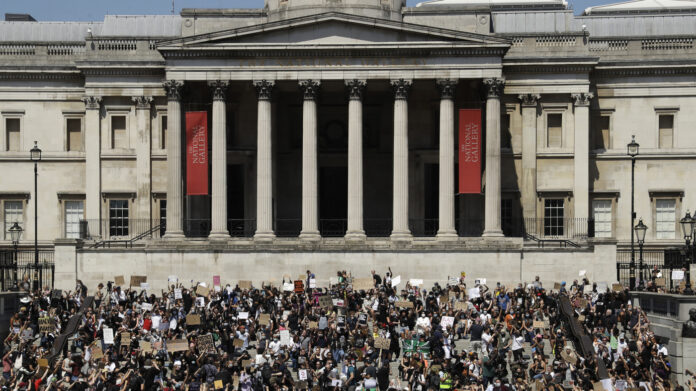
x,y
196,153
470,151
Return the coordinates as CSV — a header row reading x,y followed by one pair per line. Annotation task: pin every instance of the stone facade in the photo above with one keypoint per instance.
x,y
328,122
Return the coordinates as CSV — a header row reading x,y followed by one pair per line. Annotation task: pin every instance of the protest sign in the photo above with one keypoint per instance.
x,y
125,339
617,287
202,290
216,280
287,287
660,281
557,286
144,285
581,273
177,345
363,284
193,320
473,293
177,294
299,286
480,281
119,281
453,281
172,279
145,346
244,284
137,280
460,306
146,307
336,383
56,294
416,281
677,274
108,336
218,385
97,353
325,301
538,324
396,281
312,282
447,321
285,339
302,374
338,302
313,325
46,325
200,301
333,280
206,344
238,343
404,304
243,316
43,363
264,319
382,343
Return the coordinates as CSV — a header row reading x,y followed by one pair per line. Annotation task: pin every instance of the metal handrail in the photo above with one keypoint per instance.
x,y
127,242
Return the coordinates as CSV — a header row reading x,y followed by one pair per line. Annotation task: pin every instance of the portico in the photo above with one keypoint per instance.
x,y
290,60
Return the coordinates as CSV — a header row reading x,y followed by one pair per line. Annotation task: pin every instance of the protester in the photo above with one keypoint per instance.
x,y
355,334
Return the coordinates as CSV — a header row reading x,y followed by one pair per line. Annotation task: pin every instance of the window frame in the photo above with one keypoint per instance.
x,y
597,115
66,141
677,196
673,111
65,216
12,115
23,201
543,135
612,220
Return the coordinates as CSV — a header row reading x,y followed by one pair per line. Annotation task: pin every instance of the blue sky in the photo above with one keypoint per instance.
x,y
94,10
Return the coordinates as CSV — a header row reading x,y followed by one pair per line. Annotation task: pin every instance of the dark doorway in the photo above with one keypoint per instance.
x,y
333,200
431,200
235,201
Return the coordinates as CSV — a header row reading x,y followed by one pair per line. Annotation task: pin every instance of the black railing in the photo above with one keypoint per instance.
x,y
287,228
333,228
559,228
241,228
377,228
651,258
197,228
118,229
16,267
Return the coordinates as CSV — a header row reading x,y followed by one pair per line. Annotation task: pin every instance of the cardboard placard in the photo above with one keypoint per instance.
x,y
244,284
313,325
46,325
97,353
145,346
382,343
177,345
557,286
325,301
264,319
363,284
299,286
460,306
218,385
660,281
246,363
137,280
119,281
193,320
404,304
202,290
617,287
237,343
538,324
206,343
125,339
43,363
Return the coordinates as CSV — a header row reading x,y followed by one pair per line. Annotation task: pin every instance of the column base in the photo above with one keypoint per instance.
x,y
355,236
493,234
264,236
310,236
174,235
403,236
447,235
222,235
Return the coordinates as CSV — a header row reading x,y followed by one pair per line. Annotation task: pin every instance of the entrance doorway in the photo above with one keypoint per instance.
x,y
333,200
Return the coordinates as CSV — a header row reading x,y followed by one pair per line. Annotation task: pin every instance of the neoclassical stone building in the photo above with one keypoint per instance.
x,y
334,137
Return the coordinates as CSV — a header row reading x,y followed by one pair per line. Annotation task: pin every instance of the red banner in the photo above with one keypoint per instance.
x,y
196,153
470,151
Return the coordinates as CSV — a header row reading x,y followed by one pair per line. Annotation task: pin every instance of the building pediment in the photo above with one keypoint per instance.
x,y
333,31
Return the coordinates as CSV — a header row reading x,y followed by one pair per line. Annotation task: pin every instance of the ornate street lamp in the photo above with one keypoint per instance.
x,y
632,151
36,158
687,224
15,235
640,230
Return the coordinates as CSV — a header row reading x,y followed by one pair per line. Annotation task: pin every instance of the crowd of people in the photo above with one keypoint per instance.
x,y
353,334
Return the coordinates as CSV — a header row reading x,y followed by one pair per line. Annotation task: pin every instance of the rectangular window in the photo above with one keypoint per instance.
x,y
553,217
601,136
12,129
118,218
665,218
74,212
119,139
554,130
163,133
163,217
601,213
666,130
74,128
12,212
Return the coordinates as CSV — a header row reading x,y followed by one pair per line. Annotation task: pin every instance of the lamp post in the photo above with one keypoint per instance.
x,y
15,235
632,150
640,230
687,224
35,155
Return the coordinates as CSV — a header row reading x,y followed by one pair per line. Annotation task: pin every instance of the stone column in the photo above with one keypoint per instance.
x,y
264,162
581,190
529,159
355,231
93,164
142,155
175,215
446,229
310,204
218,215
400,228
494,89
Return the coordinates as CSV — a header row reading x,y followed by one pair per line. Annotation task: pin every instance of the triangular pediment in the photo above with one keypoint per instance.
x,y
333,29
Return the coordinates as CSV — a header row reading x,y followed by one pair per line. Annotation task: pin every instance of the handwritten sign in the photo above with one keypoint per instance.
x,y
660,281
108,336
460,306
43,363
119,281
193,320
146,307
363,284
202,290
206,344
125,339
404,304
145,346
46,325
97,353
244,284
395,281
177,345
137,280
325,301
416,281
177,294
237,343
617,287
264,319
382,343
299,286
538,324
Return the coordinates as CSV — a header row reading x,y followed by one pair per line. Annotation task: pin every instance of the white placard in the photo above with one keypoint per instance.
x,y
336,383
108,336
582,273
302,374
177,294
453,281
333,280
200,301
396,281
337,302
312,282
156,320
447,321
473,293
602,287
243,315
146,307
677,274
587,288
480,281
259,359
606,383
288,287
285,339
173,279
416,281
144,285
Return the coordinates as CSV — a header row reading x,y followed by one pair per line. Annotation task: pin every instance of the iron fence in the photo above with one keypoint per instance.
x,y
119,229
17,266
651,259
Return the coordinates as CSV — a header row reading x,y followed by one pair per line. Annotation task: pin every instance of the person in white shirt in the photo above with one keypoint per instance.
x,y
422,324
487,340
